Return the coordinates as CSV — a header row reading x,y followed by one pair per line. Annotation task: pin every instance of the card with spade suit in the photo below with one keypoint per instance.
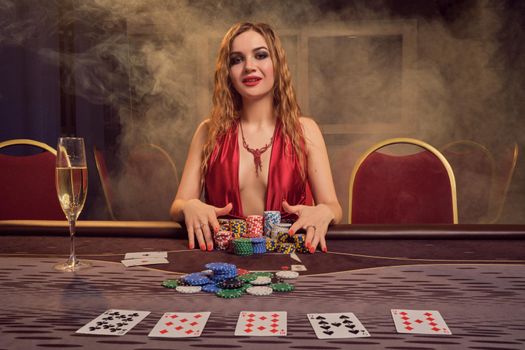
x,y
337,325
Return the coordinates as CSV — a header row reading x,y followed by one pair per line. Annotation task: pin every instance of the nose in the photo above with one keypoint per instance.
x,y
249,65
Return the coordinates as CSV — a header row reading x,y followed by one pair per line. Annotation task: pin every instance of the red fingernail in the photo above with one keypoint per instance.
x,y
191,246
216,229
325,250
308,245
202,246
290,232
312,250
210,247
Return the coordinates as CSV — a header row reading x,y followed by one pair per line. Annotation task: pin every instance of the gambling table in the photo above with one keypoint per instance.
x,y
474,275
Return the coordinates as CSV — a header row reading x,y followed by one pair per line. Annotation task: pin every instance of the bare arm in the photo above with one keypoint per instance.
x,y
187,206
315,220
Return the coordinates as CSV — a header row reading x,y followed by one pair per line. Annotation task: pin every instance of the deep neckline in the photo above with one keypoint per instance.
x,y
269,177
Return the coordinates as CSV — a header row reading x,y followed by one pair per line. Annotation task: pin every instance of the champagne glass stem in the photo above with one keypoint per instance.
x,y
72,261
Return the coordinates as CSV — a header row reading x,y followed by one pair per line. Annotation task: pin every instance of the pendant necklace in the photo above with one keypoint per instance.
x,y
257,152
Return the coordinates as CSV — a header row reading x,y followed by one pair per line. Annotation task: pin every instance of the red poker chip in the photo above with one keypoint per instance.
x,y
285,267
241,271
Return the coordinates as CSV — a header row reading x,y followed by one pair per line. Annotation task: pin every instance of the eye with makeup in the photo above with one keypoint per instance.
x,y
235,59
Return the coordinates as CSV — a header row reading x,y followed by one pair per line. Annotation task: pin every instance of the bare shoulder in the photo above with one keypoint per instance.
x,y
311,129
201,134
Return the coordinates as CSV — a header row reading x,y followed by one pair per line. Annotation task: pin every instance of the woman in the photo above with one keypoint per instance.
x,y
256,152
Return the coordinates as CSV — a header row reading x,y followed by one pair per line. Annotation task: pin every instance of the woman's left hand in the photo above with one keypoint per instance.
x,y
314,220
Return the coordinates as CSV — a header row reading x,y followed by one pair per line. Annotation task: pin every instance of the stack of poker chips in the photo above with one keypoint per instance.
x,y
227,281
254,226
280,241
238,227
246,237
271,218
222,239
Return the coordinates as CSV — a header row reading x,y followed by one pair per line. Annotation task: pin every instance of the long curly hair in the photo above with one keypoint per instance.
x,y
227,102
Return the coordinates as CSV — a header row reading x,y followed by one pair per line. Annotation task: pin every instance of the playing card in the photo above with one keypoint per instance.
x,y
419,322
298,268
180,325
144,261
258,323
337,325
140,255
114,322
295,257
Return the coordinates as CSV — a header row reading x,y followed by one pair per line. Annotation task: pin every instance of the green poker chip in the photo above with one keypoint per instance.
x,y
263,274
171,283
230,293
248,277
245,286
282,287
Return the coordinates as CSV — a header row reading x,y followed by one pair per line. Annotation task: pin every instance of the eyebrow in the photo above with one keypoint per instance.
x,y
256,49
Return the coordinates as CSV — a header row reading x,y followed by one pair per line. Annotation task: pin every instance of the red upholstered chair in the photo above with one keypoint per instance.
x,y
105,181
27,184
474,170
402,181
145,186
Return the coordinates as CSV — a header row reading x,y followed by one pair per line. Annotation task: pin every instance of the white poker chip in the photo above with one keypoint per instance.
x,y
261,280
287,275
259,290
188,289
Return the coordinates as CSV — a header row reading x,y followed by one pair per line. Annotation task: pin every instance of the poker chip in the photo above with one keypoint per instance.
x,y
196,279
230,293
271,218
282,287
248,278
287,275
241,271
188,289
261,280
222,240
231,283
280,228
242,246
221,268
262,274
170,283
254,226
224,225
210,288
259,245
238,227
245,287
259,290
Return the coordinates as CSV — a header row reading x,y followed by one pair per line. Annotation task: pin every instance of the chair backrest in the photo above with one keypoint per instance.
x,y
105,181
145,187
507,161
27,184
474,169
392,187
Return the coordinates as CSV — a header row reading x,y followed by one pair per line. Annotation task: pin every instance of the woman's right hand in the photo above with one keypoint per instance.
x,y
198,217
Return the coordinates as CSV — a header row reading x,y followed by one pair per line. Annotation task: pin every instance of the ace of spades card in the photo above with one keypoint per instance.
x,y
114,322
337,325
258,323
180,325
420,322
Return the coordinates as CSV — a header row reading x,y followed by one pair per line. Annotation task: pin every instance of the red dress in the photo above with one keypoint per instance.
x,y
221,183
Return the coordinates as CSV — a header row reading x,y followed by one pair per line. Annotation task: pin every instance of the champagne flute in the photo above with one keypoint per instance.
x,y
71,185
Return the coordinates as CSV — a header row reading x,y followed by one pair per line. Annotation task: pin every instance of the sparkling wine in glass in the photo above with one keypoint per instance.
x,y
71,184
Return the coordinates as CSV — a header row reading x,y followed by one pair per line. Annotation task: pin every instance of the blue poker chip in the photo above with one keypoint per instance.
x,y
210,288
196,279
218,267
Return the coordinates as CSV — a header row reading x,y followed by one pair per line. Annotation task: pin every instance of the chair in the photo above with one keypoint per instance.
x,y
145,186
27,183
474,169
482,179
402,181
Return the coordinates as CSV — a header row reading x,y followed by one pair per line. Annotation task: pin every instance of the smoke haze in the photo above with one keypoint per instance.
x,y
439,71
